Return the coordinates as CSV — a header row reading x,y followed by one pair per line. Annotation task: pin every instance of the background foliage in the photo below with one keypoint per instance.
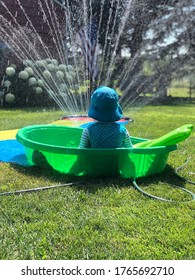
x,y
152,44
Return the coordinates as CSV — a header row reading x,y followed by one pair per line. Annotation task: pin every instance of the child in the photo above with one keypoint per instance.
x,y
105,132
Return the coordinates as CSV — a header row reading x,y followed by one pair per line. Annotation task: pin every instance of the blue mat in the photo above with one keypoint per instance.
x,y
12,151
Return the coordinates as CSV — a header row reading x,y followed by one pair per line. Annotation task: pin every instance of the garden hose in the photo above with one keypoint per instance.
x,y
179,168
135,185
38,189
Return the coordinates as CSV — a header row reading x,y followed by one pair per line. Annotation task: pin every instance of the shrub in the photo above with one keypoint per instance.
x,y
36,83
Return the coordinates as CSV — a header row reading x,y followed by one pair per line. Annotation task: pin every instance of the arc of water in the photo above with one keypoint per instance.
x,y
84,59
69,93
112,34
128,68
31,25
110,68
113,27
53,30
106,41
8,32
91,18
19,46
84,99
24,35
126,104
59,43
98,32
85,14
90,14
136,97
74,50
72,36
125,75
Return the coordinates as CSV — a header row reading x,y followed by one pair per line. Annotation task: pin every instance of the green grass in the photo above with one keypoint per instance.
x,y
101,218
12,118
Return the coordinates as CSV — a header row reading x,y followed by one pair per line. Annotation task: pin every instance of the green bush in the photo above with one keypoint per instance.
x,y
34,83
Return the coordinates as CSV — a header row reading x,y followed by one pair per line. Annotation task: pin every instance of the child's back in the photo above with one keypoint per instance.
x,y
105,135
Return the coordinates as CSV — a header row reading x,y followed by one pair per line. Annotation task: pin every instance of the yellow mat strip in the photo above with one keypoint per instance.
x,y
11,134
8,134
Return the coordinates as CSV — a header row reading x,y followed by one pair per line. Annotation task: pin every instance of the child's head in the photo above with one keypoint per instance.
x,y
104,105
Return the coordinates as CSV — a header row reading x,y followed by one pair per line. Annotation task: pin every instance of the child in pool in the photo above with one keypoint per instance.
x,y
105,132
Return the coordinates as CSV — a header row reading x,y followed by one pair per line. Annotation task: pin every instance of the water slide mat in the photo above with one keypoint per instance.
x,y
11,150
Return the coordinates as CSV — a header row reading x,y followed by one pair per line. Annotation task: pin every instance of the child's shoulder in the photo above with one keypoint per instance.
x,y
106,125
102,125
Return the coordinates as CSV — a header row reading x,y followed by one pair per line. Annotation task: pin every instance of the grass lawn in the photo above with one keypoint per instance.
x,y
102,218
180,92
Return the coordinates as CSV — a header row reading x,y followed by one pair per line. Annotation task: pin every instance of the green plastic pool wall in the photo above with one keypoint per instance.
x,y
57,146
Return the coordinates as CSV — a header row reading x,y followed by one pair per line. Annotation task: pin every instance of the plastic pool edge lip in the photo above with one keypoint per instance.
x,y
20,136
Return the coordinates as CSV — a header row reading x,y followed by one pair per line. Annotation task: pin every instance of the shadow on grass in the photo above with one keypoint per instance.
x,y
165,186
93,184
168,176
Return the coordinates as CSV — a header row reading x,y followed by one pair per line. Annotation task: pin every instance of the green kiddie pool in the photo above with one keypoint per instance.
x,y
57,147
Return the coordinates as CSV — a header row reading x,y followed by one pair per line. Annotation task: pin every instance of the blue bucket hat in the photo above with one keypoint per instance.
x,y
105,105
